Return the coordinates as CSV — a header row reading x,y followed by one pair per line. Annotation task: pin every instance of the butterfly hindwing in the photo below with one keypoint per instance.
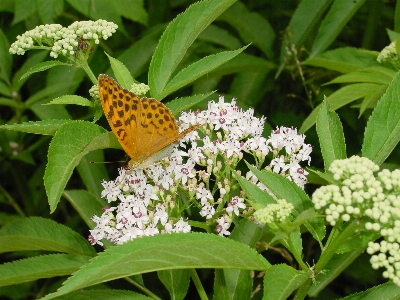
x,y
157,127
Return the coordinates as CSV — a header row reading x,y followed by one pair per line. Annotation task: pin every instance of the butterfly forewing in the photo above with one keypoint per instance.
x,y
119,107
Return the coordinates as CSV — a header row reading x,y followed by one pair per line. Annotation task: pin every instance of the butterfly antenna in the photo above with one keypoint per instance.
x,y
108,162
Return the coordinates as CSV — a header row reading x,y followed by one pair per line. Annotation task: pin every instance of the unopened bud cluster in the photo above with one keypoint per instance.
x,y
275,212
375,197
64,40
139,89
389,54
356,192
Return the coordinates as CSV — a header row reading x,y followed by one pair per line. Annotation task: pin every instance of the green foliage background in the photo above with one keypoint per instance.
x,y
281,74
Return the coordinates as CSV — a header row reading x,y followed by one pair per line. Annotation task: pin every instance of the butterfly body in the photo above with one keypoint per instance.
x,y
145,128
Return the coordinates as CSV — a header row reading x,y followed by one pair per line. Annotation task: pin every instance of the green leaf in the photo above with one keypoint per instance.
x,y
393,35
371,99
246,232
219,36
232,284
258,198
71,99
243,63
48,13
49,112
387,290
340,98
47,127
251,26
373,75
306,16
382,133
92,172
31,61
45,266
49,90
133,10
282,188
85,204
104,294
104,141
9,102
100,9
359,240
36,233
332,24
330,135
336,265
5,90
297,243
284,280
67,148
250,87
184,103
178,37
42,66
5,57
164,252
344,60
328,177
23,9
196,70
176,282
121,72
142,51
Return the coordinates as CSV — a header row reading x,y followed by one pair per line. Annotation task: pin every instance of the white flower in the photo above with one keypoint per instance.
x,y
203,195
222,227
278,164
207,211
234,205
111,191
184,171
181,226
160,215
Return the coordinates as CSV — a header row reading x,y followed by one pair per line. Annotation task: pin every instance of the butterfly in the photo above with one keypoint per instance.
x,y
145,128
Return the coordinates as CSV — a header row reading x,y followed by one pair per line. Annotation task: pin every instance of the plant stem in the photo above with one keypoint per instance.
x,y
336,242
197,283
142,288
84,65
303,290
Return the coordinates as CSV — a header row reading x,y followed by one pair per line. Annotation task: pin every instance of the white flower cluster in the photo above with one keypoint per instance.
x,y
275,212
389,54
361,194
139,89
288,139
63,40
141,208
230,132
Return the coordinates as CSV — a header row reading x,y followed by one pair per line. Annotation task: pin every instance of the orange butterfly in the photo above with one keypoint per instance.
x,y
145,128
